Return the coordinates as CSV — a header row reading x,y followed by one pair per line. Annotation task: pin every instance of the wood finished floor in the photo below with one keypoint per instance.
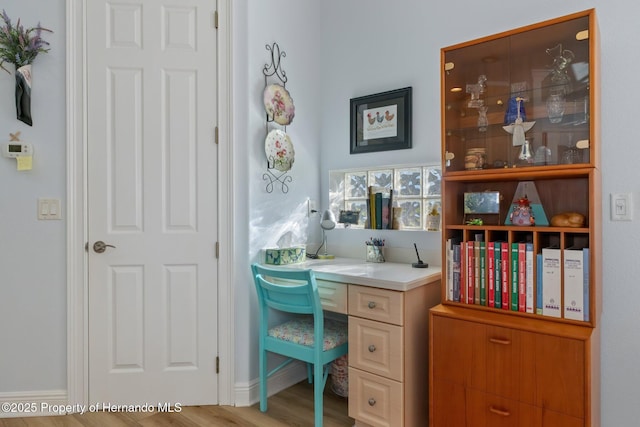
x,y
290,407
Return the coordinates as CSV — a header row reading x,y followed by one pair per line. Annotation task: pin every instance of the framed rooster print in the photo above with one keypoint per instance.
x,y
381,122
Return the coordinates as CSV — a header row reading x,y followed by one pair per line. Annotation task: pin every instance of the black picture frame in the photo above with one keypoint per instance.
x,y
383,133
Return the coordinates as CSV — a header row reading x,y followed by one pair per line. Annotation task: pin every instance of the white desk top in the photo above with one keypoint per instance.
x,y
387,275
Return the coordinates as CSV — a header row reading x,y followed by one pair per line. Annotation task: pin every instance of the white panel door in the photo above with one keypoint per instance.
x,y
152,190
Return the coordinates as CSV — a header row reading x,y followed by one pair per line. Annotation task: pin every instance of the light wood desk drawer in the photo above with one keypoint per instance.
x,y
376,347
333,295
374,400
376,304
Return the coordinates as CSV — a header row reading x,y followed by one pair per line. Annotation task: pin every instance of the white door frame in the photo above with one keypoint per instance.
x,y
77,230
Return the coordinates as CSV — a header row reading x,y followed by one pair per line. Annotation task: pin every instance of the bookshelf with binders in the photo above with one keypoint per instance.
x,y
526,293
509,275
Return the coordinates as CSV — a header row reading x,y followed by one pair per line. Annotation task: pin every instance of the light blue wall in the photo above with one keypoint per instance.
x,y
262,217
32,253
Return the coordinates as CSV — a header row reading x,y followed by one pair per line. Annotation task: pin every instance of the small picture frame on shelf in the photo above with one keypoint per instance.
x,y
482,207
381,122
486,202
349,217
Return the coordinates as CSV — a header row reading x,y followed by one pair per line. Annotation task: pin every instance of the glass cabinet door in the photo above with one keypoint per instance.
x,y
519,99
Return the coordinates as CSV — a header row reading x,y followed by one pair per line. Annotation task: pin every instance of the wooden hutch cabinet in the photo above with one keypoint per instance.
x,y
515,341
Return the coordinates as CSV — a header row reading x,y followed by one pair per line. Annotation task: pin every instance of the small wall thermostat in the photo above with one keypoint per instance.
x,y
17,149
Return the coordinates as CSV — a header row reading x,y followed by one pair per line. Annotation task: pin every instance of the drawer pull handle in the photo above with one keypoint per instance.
x,y
499,412
372,401
372,348
372,304
500,341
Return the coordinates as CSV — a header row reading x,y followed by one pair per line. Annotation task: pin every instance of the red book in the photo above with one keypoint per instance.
x,y
463,272
504,252
471,274
522,277
491,295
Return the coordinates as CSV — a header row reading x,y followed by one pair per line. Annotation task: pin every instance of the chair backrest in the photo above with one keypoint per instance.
x,y
291,291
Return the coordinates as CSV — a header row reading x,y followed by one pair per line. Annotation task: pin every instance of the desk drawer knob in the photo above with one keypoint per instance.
x,y
372,304
372,348
372,401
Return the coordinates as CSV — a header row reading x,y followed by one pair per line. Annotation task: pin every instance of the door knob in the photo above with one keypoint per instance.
x,y
100,246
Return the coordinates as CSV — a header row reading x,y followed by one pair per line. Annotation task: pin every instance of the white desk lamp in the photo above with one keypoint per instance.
x,y
328,222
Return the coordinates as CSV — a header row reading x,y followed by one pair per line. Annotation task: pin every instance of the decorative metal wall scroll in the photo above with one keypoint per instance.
x,y
280,111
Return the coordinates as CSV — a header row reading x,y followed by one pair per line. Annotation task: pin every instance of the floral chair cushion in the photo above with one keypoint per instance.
x,y
300,331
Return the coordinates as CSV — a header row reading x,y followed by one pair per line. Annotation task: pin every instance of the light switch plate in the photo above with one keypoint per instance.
x,y
621,207
49,209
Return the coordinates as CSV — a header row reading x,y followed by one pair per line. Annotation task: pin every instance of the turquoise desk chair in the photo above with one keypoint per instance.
x,y
310,338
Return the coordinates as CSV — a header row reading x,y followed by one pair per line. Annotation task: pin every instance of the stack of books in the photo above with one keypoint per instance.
x,y
501,275
379,212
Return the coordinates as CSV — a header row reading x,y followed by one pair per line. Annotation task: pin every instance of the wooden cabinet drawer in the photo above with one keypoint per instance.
x,y
489,410
536,369
510,364
376,347
376,304
333,295
375,400
485,357
539,369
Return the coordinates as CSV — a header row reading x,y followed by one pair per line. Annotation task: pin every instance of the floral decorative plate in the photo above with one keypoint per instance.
x,y
279,150
278,104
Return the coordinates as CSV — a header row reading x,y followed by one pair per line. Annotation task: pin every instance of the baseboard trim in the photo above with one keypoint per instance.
x,y
249,393
34,403
56,402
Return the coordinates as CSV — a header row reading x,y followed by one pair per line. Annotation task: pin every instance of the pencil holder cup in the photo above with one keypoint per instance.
x,y
374,253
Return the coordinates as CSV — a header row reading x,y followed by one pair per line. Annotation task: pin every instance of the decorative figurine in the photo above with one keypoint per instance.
x,y
483,121
519,126
562,58
560,82
522,214
476,90
525,156
433,220
515,109
475,221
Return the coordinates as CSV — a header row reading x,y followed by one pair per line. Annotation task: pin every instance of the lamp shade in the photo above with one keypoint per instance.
x,y
328,221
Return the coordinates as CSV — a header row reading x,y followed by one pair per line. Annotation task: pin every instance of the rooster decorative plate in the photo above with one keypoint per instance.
x,y
278,104
279,150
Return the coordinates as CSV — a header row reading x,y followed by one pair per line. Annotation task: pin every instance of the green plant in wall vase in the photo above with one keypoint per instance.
x,y
20,46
